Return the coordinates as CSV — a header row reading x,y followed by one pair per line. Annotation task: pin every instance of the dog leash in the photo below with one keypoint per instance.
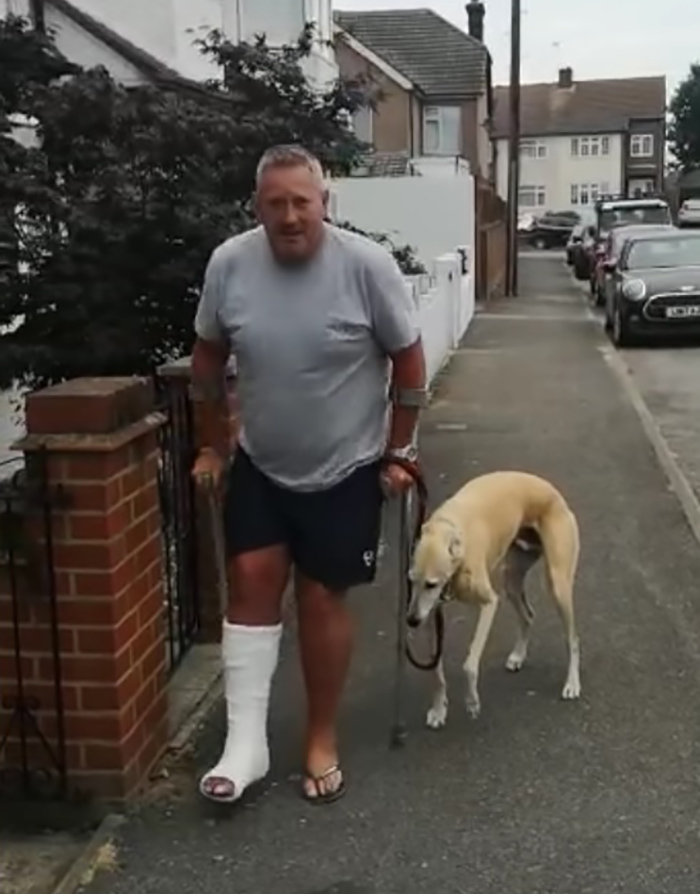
x,y
409,540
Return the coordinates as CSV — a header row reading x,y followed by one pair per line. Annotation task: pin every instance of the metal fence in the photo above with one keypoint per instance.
x,y
178,509
32,725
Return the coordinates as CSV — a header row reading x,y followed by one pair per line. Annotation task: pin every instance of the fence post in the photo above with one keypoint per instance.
x,y
176,378
99,437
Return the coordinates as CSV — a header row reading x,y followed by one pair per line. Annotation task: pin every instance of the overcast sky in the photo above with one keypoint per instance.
x,y
598,38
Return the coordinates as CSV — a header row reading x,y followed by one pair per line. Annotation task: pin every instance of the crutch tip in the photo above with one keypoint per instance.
x,y
399,734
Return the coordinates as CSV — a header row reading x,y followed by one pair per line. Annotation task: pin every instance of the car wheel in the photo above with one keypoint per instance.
x,y
620,332
540,243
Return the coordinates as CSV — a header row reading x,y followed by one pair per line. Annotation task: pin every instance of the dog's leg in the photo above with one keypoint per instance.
x,y
517,566
437,715
487,612
561,552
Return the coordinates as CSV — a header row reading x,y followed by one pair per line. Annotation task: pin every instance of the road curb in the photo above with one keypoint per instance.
x,y
680,485
72,879
671,468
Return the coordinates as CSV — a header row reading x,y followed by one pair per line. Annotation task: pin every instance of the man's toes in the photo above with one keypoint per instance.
x,y
220,788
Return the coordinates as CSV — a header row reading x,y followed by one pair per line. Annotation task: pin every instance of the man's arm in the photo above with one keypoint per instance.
x,y
408,389
209,360
395,322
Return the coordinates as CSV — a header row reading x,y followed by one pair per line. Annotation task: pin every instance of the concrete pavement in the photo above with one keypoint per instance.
x,y
538,796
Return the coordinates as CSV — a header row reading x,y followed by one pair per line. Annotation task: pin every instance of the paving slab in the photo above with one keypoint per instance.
x,y
538,796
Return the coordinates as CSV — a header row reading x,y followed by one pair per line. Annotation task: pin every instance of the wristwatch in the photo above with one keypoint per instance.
x,y
407,454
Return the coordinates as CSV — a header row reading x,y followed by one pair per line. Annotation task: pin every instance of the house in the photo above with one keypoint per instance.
x,y
433,79
581,139
159,47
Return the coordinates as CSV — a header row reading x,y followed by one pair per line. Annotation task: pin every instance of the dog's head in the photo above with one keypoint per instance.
x,y
436,558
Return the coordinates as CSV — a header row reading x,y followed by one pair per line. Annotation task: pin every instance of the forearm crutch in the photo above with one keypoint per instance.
x,y
217,534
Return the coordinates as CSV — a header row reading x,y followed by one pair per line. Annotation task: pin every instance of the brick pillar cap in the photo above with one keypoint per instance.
x,y
89,406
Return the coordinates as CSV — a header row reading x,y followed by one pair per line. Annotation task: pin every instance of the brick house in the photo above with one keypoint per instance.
x,y
436,96
581,139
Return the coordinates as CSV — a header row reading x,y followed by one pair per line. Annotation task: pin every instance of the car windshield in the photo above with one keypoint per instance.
x,y
677,252
624,217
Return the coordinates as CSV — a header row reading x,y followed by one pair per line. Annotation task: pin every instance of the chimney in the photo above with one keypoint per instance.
x,y
566,78
475,13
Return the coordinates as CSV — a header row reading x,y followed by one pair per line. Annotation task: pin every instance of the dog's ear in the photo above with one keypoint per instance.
x,y
456,547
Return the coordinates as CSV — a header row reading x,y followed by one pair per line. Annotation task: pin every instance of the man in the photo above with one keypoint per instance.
x,y
313,314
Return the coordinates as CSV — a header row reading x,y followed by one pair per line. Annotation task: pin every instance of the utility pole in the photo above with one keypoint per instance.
x,y
513,154
38,15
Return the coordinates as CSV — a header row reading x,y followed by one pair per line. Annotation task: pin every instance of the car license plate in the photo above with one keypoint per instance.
x,y
692,310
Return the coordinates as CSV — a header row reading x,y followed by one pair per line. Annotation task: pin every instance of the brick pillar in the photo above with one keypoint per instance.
x,y
100,440
176,377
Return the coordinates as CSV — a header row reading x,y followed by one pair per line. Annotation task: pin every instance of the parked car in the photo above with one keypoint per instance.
x,y
611,213
689,213
613,247
578,243
656,286
553,229
526,221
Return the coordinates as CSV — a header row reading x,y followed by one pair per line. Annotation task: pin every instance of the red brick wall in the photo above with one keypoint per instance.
x,y
108,572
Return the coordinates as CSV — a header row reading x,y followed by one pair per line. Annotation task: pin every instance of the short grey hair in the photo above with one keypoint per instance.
x,y
289,156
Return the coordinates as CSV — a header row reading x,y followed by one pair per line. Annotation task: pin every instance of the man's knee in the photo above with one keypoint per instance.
x,y
317,600
257,581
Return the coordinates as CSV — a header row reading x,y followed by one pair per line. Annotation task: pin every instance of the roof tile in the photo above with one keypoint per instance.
x,y
437,57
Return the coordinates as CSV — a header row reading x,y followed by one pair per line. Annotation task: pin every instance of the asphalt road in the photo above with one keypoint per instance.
x,y
538,796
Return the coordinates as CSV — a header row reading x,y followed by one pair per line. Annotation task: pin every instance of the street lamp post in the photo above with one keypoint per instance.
x,y
513,153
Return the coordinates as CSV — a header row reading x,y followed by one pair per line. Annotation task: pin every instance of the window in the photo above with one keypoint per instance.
x,y
642,145
588,193
441,130
590,146
533,149
363,124
532,196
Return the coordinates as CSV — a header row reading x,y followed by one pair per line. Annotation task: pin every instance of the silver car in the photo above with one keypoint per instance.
x,y
689,213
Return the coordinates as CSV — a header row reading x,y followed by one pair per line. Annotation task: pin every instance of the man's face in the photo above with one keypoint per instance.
x,y
291,205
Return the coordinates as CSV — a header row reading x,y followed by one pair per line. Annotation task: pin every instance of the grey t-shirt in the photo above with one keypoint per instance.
x,y
311,345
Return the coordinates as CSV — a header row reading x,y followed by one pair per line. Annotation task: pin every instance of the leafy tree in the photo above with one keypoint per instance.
x,y
684,129
110,214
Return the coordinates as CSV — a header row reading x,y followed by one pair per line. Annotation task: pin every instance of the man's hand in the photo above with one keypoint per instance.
x,y
208,467
395,480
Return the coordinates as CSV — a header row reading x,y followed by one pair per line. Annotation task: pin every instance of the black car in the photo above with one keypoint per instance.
x,y
577,246
553,229
654,286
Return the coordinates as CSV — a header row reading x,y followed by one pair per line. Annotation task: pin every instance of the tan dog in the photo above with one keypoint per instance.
x,y
498,524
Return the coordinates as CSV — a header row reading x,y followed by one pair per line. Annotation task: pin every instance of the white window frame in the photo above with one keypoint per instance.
x,y
584,194
538,193
535,149
369,112
642,145
590,147
434,115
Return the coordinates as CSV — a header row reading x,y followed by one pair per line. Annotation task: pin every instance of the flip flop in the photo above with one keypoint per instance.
x,y
328,797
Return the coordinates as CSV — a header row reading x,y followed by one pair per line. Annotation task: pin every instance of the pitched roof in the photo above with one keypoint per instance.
x,y
601,106
436,56
140,59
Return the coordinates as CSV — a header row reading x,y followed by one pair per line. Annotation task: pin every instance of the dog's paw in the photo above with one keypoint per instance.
x,y
515,661
473,708
571,691
437,716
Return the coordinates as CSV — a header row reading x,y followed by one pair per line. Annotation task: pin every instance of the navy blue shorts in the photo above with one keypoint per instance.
x,y
332,535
